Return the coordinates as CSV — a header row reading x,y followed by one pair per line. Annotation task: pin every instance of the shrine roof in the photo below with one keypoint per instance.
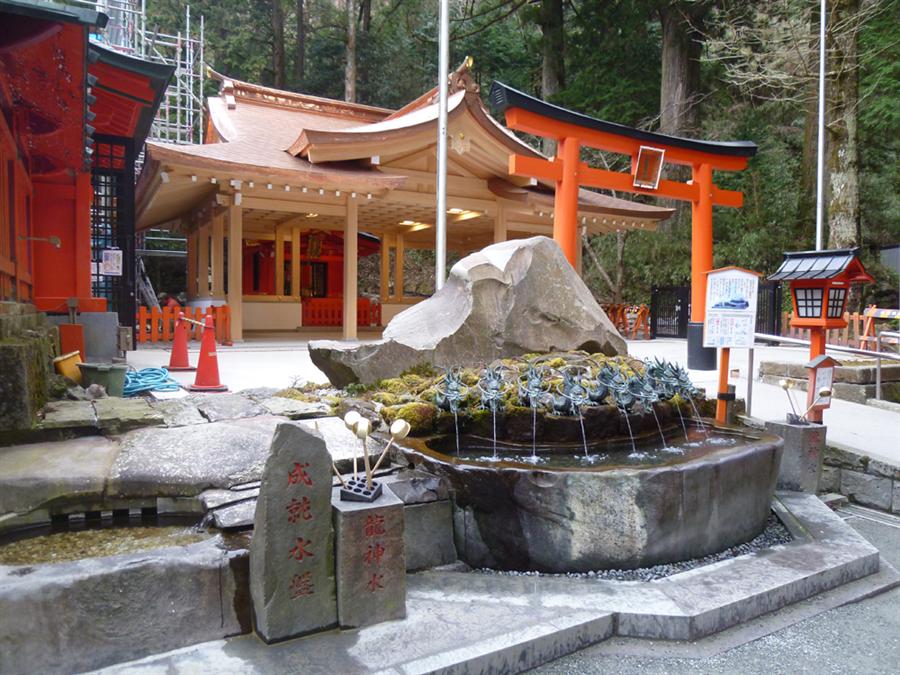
x,y
503,97
128,92
806,265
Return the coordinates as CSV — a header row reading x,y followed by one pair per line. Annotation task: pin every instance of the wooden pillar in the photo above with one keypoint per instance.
x,y
217,257
192,239
235,269
701,239
295,262
500,225
398,268
203,261
351,235
385,267
565,217
279,261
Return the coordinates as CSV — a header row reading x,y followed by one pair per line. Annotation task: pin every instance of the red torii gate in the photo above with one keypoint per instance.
x,y
648,151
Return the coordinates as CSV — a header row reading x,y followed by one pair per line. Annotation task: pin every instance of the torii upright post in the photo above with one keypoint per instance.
x,y
648,152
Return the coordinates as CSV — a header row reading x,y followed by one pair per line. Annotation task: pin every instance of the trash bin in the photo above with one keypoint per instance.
x,y
110,375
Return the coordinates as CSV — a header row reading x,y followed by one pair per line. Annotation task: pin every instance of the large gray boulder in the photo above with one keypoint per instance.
x,y
508,299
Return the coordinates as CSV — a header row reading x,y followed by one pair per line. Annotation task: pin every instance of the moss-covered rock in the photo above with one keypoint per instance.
x,y
297,395
420,416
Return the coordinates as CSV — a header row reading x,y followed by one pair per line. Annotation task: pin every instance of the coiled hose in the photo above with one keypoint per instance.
x,y
148,379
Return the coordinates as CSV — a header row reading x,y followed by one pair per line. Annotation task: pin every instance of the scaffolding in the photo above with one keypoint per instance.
x,y
180,115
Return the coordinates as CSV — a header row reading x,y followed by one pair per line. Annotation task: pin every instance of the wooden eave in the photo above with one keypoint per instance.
x,y
363,142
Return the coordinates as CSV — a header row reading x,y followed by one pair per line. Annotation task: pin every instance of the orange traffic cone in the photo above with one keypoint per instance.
x,y
179,357
207,378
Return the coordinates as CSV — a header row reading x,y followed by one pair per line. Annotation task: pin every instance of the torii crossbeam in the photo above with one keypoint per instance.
x,y
648,151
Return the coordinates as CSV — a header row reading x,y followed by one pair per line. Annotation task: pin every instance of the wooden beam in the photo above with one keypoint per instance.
x,y
291,206
533,123
500,226
532,167
203,262
616,180
385,276
295,262
217,257
351,237
398,268
235,270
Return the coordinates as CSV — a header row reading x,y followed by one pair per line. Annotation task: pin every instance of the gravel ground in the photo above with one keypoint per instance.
x,y
862,637
775,533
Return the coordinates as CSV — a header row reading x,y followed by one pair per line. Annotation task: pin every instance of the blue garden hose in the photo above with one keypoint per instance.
x,y
149,379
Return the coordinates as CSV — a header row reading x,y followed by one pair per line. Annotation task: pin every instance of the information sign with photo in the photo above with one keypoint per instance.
x,y
730,308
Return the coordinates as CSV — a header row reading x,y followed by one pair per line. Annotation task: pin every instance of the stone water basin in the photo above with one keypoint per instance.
x,y
106,592
612,507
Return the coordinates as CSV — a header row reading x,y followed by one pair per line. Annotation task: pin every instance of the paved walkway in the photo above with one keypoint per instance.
x,y
277,361
862,637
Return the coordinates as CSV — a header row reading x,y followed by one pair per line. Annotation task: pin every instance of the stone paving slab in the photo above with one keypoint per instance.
x,y
460,622
294,409
226,406
40,473
184,461
179,412
116,415
69,414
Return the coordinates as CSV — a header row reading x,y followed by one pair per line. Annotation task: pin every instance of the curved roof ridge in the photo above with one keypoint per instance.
x,y
460,79
270,96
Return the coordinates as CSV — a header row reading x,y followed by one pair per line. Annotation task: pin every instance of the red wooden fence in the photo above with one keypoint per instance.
x,y
630,320
330,312
158,325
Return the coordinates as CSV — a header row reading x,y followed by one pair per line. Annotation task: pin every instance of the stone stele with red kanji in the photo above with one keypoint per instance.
x,y
292,580
370,560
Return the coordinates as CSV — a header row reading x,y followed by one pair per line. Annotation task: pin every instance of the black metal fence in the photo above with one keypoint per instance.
x,y
670,308
112,223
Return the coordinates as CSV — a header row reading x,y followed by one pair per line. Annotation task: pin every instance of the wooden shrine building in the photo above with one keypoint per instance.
x,y
289,190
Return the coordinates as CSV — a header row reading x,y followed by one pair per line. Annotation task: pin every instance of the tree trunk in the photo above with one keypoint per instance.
x,y
278,43
680,82
553,69
300,56
350,69
621,236
842,155
806,201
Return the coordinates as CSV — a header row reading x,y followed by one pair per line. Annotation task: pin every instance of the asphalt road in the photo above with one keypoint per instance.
x,y
862,637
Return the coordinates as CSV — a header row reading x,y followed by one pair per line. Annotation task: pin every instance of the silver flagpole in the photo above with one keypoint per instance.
x,y
820,159
440,233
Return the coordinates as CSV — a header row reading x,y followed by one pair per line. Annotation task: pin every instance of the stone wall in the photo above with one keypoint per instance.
x,y
854,381
863,480
28,344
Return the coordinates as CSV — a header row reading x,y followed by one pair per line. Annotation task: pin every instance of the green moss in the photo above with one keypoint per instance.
x,y
386,398
423,369
421,416
297,395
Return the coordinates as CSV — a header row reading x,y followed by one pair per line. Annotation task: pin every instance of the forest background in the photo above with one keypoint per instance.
x,y
714,69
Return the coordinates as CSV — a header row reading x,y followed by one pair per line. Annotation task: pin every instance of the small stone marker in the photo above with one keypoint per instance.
x,y
292,551
369,560
803,455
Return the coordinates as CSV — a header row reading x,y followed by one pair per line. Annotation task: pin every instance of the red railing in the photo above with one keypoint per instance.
x,y
630,320
158,325
330,312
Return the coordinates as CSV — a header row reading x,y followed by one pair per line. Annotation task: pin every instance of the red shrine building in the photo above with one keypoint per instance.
x,y
74,117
